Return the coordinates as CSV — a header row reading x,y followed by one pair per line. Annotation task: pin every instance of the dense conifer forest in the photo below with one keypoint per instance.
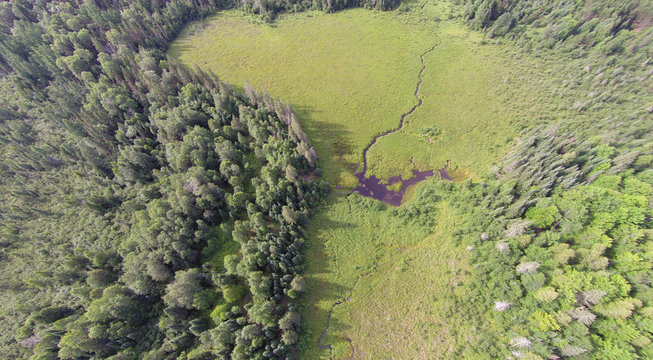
x,y
567,239
133,188
150,211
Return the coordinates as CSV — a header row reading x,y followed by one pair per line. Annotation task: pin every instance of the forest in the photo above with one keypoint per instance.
x,y
151,209
143,204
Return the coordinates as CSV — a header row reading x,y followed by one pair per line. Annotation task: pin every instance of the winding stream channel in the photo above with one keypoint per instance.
x,y
372,187
339,302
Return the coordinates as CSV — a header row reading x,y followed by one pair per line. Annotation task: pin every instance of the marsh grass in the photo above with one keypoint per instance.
x,y
349,75
411,275
479,95
408,307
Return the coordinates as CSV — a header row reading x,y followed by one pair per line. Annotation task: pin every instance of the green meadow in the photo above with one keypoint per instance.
x,y
353,75
460,103
409,276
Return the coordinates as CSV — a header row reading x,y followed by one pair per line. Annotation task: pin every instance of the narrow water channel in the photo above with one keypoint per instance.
x,y
371,186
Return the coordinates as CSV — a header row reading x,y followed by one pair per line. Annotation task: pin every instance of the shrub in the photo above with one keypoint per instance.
x,y
543,217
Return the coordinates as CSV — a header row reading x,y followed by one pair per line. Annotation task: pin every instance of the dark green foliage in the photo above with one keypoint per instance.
x,y
431,132
181,292
123,176
52,314
270,8
504,23
560,19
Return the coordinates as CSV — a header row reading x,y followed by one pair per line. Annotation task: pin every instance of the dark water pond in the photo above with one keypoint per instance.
x,y
373,188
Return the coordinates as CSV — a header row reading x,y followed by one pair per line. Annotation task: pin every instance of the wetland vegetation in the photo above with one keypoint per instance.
x,y
463,179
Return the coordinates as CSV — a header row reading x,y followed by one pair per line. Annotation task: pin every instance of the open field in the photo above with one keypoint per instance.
x,y
407,306
460,101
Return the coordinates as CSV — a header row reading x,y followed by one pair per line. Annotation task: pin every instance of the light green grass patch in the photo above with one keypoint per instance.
x,y
459,99
405,307
351,75
346,239
348,75
395,187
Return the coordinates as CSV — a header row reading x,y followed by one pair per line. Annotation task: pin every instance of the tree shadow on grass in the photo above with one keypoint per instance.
x,y
335,135
320,330
334,145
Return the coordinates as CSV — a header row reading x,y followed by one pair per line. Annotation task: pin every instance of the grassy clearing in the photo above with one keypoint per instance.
x,y
459,99
353,234
406,306
352,73
408,309
473,96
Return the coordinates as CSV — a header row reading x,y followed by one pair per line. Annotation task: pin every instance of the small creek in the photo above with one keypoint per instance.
x,y
371,186
340,302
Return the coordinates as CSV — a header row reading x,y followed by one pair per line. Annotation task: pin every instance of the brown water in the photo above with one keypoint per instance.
x,y
372,186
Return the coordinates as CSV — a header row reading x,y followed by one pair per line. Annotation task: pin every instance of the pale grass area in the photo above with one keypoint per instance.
x,y
350,76
406,308
410,276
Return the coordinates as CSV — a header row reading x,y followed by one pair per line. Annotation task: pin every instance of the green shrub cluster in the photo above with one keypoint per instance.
x,y
561,252
431,132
